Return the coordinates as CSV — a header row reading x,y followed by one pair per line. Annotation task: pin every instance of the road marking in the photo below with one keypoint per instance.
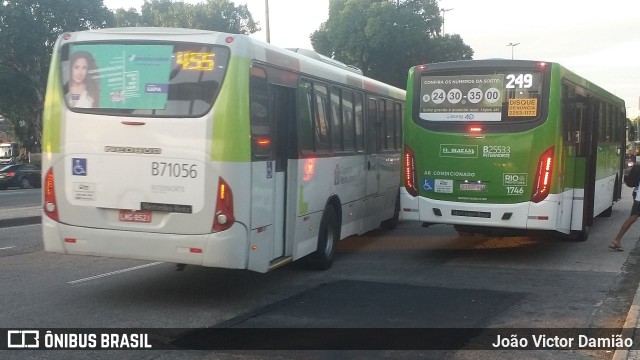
x,y
7,248
112,273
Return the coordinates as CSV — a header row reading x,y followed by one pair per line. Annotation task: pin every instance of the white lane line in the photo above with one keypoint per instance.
x,y
7,248
113,273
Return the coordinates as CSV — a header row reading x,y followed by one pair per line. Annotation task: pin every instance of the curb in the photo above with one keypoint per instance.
x,y
631,323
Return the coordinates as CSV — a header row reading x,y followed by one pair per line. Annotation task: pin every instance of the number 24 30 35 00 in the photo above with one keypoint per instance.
x,y
176,170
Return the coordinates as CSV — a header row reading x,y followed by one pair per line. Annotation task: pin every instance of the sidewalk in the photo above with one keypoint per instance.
x,y
20,216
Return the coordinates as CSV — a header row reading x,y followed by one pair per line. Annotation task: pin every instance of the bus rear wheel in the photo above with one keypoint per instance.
x,y
328,237
608,211
392,223
579,235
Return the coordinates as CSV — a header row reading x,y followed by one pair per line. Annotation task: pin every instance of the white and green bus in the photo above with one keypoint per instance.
x,y
214,149
510,144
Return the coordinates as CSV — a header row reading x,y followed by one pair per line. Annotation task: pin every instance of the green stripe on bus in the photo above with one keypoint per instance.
x,y
229,137
51,118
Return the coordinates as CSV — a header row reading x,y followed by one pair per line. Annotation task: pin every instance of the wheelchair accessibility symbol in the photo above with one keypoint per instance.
x,y
428,184
79,166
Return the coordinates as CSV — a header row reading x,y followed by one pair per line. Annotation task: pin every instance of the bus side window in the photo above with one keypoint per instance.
x,y
398,123
336,115
573,112
359,121
348,119
390,127
261,125
372,127
382,125
305,111
322,126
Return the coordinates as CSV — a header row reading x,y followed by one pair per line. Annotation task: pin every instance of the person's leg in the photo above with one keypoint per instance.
x,y
635,213
623,229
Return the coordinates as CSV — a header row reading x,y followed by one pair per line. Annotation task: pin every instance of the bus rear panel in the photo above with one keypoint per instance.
x,y
489,144
128,156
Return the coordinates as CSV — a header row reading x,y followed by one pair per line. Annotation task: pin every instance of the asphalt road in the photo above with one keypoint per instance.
x,y
15,198
409,278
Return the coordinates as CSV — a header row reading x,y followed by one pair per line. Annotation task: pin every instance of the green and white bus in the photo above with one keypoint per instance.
x,y
510,144
214,149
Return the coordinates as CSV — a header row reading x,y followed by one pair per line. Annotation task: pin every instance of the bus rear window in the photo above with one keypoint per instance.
x,y
153,79
499,96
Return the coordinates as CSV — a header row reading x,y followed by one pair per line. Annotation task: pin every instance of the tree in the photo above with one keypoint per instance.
x,y
127,18
216,15
384,38
632,128
28,31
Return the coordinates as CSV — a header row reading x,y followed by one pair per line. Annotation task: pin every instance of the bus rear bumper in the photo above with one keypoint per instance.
x,y
527,215
227,249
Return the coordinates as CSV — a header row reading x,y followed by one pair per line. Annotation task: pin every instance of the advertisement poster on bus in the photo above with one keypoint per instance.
x,y
119,76
462,97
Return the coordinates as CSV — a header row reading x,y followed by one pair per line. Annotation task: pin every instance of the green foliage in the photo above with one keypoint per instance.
x,y
632,128
28,31
385,38
216,15
127,18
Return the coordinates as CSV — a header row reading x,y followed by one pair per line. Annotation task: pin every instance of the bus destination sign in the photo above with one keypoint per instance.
x,y
462,97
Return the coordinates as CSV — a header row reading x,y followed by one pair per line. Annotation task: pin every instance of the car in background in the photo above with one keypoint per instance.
x,y
20,175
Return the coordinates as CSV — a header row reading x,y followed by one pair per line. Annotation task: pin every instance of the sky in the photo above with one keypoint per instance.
x,y
599,41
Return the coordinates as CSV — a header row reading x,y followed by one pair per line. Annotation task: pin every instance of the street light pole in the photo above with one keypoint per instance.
x,y
444,11
512,46
266,15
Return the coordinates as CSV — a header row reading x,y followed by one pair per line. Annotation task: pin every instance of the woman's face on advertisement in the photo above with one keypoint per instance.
x,y
79,70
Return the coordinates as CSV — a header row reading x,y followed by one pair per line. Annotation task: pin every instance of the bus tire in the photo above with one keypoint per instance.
x,y
328,237
579,235
392,223
608,211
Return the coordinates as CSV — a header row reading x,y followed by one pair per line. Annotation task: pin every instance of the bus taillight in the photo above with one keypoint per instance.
x,y
50,206
542,181
263,141
409,170
223,218
475,129
309,169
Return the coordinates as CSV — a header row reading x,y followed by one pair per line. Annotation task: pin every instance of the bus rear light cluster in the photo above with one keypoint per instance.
x,y
261,146
309,169
474,129
223,218
50,206
542,181
409,171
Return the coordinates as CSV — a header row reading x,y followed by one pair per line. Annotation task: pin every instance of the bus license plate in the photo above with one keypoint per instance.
x,y
473,187
138,216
